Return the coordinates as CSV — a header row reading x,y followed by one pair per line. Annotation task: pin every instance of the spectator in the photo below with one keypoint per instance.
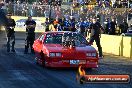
x,y
51,26
82,27
87,25
47,25
124,26
130,29
60,25
56,21
73,25
112,27
108,26
66,25
117,31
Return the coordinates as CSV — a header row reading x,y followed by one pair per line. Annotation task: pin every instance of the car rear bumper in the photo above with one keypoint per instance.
x,y
67,65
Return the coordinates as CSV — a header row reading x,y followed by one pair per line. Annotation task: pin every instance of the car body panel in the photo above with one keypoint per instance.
x,y
70,56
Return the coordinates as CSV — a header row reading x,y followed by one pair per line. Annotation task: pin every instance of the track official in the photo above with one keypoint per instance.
x,y
10,33
30,34
95,29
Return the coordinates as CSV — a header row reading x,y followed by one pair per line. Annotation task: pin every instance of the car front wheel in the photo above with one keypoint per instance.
x,y
42,59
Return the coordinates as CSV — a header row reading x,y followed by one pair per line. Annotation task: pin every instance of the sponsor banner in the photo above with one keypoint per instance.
x,y
20,21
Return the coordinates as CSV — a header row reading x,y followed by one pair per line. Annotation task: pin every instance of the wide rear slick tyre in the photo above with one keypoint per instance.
x,y
42,59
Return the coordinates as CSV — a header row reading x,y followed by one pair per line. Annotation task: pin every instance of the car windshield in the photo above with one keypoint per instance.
x,y
57,38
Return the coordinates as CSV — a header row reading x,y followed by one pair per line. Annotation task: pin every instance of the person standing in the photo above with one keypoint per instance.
x,y
3,18
10,33
60,25
66,25
124,26
129,29
87,25
30,32
95,29
82,27
51,26
113,26
108,26
47,23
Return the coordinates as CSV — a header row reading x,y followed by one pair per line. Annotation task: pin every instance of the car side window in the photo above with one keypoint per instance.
x,y
53,39
48,39
41,37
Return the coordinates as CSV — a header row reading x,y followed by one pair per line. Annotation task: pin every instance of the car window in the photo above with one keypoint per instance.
x,y
58,38
53,39
41,37
82,39
77,37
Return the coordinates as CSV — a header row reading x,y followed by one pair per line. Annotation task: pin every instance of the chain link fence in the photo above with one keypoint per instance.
x,y
37,10
25,9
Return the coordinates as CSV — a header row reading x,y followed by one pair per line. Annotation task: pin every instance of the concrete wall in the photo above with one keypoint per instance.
x,y
117,45
20,23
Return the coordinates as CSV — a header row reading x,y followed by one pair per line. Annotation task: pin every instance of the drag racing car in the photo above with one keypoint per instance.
x,y
64,49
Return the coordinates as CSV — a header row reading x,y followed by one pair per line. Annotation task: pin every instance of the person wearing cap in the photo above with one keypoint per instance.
x,y
30,32
95,29
10,33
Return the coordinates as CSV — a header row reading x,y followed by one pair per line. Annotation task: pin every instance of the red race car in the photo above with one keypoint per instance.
x,y
64,49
